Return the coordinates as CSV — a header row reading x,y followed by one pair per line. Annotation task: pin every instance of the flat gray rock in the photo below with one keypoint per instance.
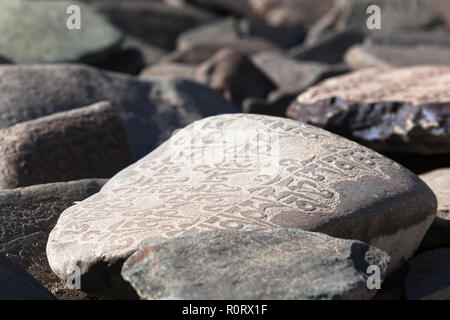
x,y
288,74
399,110
23,24
254,265
245,172
17,284
385,56
149,110
151,21
439,233
198,53
429,276
81,143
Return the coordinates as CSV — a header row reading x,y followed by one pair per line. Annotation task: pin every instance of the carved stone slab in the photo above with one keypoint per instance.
x,y
269,264
397,110
77,144
245,172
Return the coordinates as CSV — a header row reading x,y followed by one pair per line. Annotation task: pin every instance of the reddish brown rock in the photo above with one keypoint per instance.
x,y
399,110
88,142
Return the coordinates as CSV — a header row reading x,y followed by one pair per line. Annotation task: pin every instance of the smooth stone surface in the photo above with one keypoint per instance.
x,y
169,70
254,265
17,284
328,49
22,38
231,29
405,110
76,144
291,75
429,276
199,53
439,233
149,110
152,22
397,15
210,175
27,215
132,57
385,56
235,76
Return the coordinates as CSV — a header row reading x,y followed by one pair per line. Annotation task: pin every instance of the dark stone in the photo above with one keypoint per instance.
x,y
149,110
27,215
152,22
83,143
17,284
439,233
133,56
235,76
429,276
403,110
253,265
231,29
328,49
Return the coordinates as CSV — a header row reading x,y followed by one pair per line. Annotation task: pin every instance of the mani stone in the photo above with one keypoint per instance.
x,y
277,264
36,32
246,172
82,143
17,284
149,110
429,276
404,110
27,215
439,233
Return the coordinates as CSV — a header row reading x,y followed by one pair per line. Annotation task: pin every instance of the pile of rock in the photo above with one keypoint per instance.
x,y
239,149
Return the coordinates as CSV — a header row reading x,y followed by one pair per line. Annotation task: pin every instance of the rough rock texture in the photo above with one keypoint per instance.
x,y
385,56
239,265
17,284
243,172
399,110
83,143
235,76
27,215
153,22
169,69
22,38
429,276
149,110
439,233
199,53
